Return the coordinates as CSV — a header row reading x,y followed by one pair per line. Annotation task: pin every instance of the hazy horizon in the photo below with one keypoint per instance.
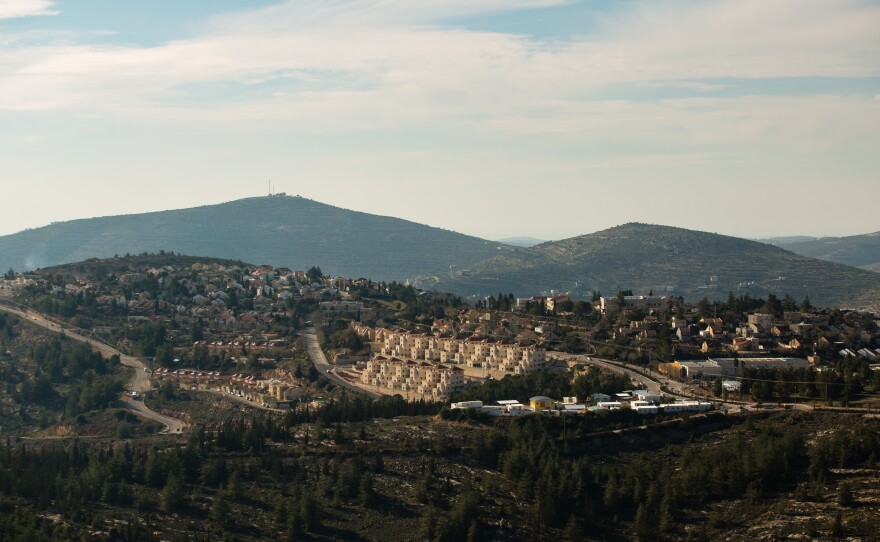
x,y
506,118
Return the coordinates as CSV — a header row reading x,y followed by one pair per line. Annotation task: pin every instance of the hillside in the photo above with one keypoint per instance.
x,y
278,230
856,250
778,241
671,261
522,241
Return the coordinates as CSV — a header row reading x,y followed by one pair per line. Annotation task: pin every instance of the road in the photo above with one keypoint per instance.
x,y
324,367
673,387
140,380
638,379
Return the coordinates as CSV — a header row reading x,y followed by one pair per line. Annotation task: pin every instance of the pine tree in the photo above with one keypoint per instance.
x,y
473,534
428,523
172,494
573,531
294,526
844,495
366,492
220,509
379,464
235,486
837,530
280,511
308,510
610,497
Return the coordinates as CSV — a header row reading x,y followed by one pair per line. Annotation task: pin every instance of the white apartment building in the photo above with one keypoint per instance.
x,y
472,352
421,377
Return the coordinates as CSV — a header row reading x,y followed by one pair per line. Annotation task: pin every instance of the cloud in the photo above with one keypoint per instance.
x,y
316,15
749,38
393,65
403,46
11,9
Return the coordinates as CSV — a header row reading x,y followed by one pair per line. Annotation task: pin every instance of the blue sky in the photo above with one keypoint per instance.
x,y
497,118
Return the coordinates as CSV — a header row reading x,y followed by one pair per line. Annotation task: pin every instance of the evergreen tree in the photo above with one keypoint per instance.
x,y
366,491
845,495
473,534
428,523
837,530
573,531
308,510
220,509
172,495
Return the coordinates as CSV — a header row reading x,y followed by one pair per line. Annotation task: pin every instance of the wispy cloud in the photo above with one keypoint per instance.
x,y
394,65
12,9
402,46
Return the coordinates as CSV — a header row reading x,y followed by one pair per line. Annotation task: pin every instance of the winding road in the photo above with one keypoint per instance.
x,y
324,367
140,380
650,383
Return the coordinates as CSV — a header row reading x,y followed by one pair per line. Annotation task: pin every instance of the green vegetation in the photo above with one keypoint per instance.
x,y
83,374
856,250
281,231
408,304
643,257
49,379
553,384
842,382
352,470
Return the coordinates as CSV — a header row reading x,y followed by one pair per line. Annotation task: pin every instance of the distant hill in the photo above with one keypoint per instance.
x,y
856,250
785,240
670,261
277,230
96,268
521,241
875,267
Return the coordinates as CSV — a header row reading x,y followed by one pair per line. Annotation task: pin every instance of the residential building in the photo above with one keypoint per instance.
x,y
408,375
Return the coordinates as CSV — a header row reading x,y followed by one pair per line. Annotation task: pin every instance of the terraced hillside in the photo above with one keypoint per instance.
x,y
667,260
856,250
278,230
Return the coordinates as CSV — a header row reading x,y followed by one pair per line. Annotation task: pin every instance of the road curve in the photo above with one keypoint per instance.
x,y
140,380
650,383
653,384
324,367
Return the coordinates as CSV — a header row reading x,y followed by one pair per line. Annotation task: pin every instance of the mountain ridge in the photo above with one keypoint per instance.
x,y
297,232
856,250
277,230
665,259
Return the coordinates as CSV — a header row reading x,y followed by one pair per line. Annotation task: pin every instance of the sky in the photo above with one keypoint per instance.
x,y
495,118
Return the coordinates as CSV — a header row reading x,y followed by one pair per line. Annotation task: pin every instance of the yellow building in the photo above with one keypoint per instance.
x,y
539,403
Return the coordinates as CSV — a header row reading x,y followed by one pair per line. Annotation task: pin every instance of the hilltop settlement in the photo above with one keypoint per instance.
x,y
226,325
179,398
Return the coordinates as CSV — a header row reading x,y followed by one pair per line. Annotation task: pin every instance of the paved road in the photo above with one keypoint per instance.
x,y
653,383
637,378
140,380
324,367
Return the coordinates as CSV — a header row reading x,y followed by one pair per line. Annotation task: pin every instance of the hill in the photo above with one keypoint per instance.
x,y
667,260
783,240
856,250
96,268
522,241
277,230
